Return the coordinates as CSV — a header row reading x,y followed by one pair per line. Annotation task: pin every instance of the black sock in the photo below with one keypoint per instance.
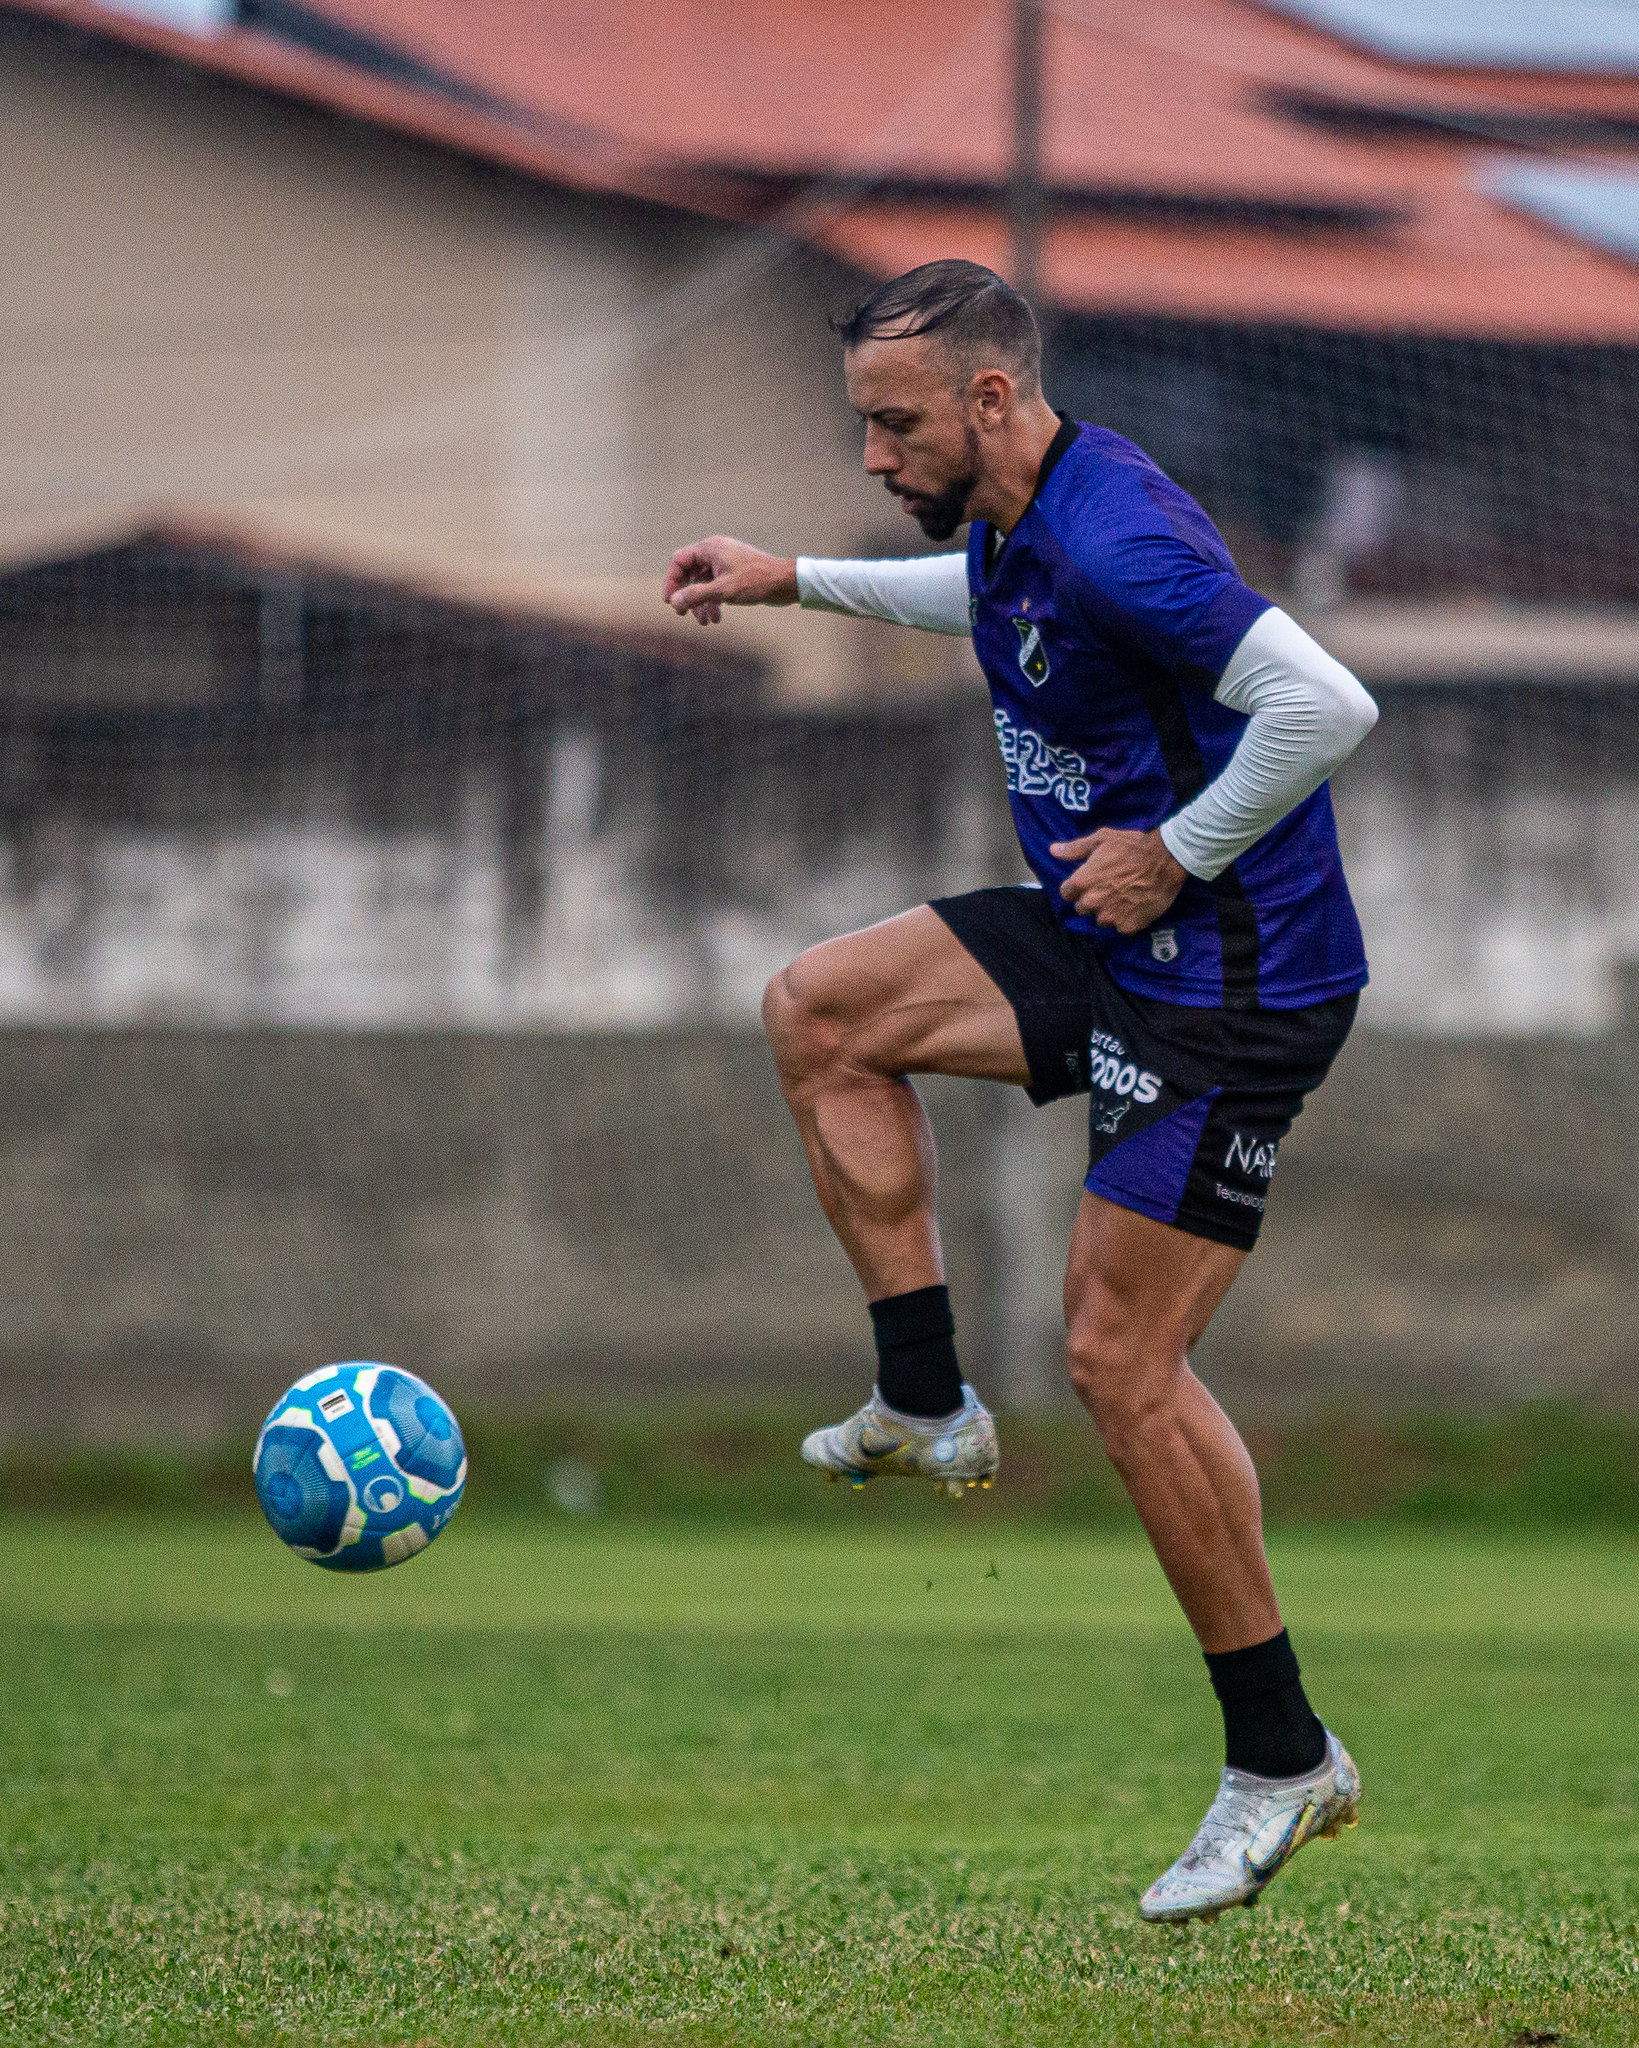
x,y
1269,1725
916,1369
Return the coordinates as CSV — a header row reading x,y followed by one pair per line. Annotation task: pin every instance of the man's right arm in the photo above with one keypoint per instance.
x,y
929,591
708,574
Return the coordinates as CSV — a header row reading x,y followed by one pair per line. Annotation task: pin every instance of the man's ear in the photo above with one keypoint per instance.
x,y
991,396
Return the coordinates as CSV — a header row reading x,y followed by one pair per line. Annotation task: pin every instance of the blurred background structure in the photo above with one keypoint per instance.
x,y
387,882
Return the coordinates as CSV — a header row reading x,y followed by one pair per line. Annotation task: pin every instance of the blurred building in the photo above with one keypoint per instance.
x,y
504,296
355,314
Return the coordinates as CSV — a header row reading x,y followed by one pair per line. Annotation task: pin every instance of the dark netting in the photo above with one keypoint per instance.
x,y
379,976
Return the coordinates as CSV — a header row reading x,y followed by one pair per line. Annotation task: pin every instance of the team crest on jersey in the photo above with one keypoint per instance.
x,y
1032,654
1164,945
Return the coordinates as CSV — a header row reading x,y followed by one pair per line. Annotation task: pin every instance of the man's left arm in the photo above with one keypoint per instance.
x,y
1306,713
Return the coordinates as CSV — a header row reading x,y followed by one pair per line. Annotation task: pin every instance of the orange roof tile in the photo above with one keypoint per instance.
x,y
1163,107
1169,99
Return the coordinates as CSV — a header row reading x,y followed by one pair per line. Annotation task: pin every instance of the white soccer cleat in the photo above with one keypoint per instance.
x,y
1252,1828
957,1450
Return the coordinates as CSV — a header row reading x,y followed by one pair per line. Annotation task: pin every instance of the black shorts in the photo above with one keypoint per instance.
x,y
1188,1105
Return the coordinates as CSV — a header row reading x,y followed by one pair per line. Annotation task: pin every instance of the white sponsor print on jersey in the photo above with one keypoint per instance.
x,y
1034,768
1252,1155
1111,1072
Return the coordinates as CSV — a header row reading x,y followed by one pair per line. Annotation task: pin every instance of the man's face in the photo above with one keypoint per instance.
x,y
919,435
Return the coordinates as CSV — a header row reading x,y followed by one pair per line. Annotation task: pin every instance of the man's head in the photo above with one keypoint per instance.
x,y
940,364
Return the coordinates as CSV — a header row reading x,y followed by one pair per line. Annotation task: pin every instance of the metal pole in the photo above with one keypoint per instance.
x,y
1025,200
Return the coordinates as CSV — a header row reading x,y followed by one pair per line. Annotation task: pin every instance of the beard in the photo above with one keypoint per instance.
x,y
939,513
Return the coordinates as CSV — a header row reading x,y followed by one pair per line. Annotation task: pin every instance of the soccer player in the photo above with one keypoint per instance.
x,y
1188,956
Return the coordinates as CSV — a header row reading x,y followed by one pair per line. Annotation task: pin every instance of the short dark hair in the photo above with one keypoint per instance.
x,y
978,315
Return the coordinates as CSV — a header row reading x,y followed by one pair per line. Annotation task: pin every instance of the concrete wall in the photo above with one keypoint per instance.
x,y
1454,1224
195,1217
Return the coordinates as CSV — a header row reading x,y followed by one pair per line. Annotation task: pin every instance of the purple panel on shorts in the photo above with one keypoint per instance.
x,y
1147,1171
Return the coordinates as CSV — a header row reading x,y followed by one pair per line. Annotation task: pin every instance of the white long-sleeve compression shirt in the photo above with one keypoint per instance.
x,y
1305,712
929,591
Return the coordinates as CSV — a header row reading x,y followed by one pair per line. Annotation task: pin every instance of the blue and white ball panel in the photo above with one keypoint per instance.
x,y
302,1484
418,1432
359,1466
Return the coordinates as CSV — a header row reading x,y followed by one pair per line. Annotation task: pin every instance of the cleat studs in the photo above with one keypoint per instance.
x,y
987,1484
1211,1915
856,1482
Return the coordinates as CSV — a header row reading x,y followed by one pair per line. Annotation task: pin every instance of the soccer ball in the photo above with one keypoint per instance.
x,y
359,1466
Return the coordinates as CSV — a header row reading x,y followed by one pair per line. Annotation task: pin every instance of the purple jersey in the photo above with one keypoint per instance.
x,y
1103,625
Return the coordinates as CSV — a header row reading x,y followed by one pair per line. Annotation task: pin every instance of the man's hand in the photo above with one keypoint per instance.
x,y
712,573
1126,879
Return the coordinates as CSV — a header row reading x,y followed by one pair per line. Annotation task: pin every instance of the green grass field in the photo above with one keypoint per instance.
x,y
673,1783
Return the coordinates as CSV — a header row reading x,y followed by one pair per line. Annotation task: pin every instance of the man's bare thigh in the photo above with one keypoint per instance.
x,y
1129,1274
908,998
